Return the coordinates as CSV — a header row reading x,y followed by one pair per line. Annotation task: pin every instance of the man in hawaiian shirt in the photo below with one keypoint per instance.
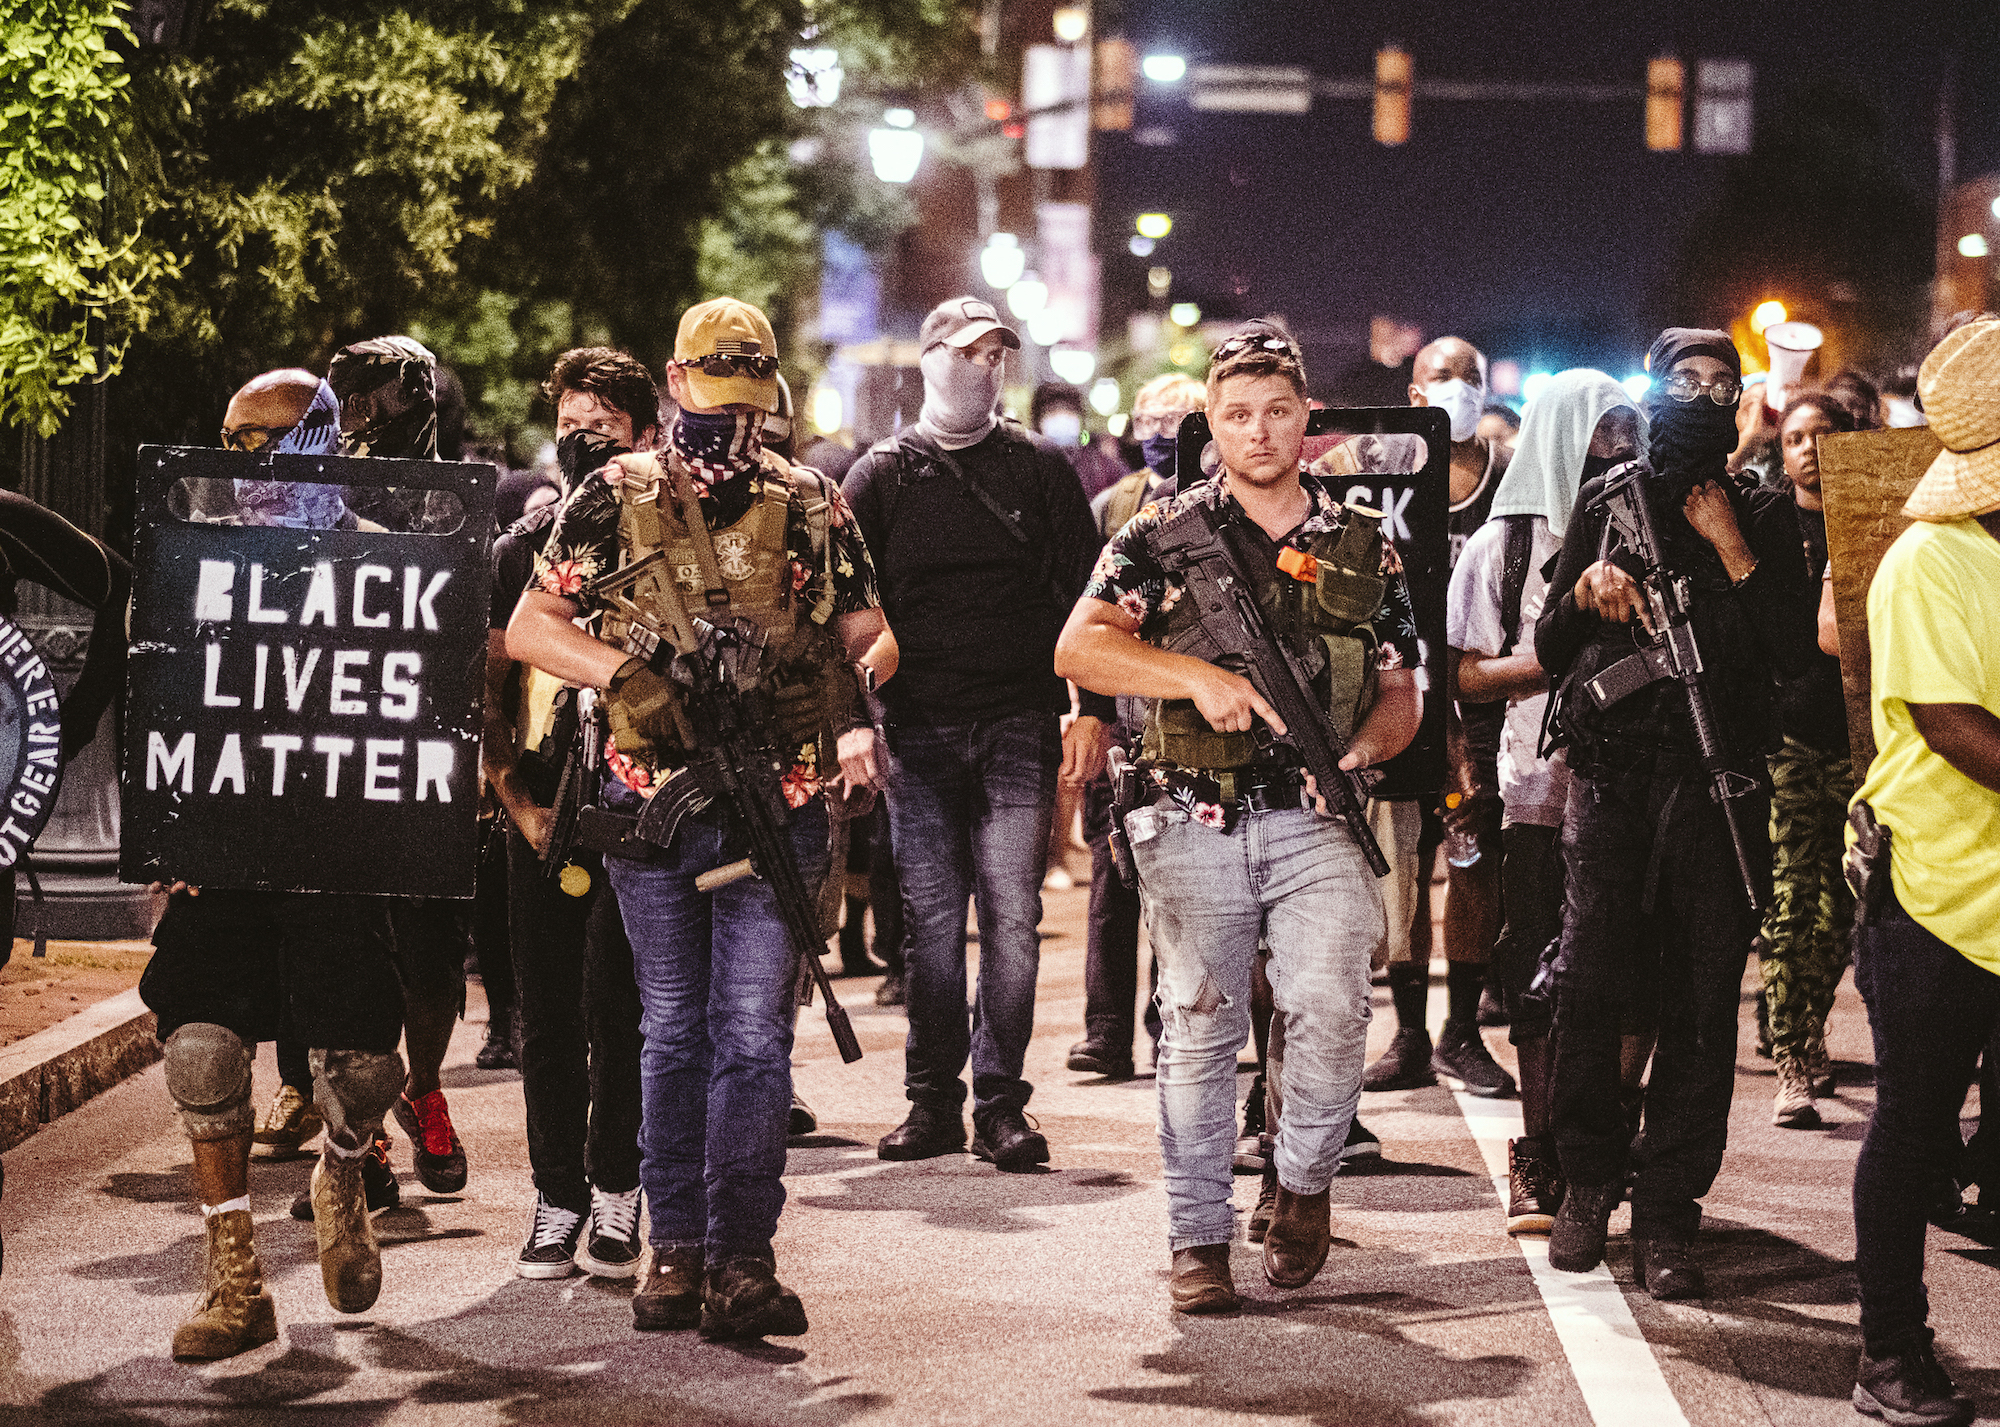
x,y
1234,844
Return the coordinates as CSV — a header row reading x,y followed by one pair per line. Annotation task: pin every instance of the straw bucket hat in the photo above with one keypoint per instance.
x,y
1960,385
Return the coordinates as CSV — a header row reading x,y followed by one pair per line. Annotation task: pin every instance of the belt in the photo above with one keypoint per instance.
x,y
1260,790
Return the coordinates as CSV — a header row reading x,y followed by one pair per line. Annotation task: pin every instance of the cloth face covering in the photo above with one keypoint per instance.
x,y
717,445
1462,403
583,452
1688,442
959,397
1159,453
388,399
298,505
1551,458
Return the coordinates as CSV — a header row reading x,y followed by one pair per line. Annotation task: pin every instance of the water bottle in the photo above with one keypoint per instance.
x,y
1461,846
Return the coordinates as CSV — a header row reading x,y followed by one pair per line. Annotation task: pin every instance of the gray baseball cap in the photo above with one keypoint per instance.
x,y
961,321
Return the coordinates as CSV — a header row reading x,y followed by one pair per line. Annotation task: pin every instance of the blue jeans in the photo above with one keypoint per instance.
x,y
1297,880
716,975
969,809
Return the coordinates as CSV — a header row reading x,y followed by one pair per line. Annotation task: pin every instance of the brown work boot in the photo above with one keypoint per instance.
x,y
1296,1244
350,1261
234,1314
1201,1281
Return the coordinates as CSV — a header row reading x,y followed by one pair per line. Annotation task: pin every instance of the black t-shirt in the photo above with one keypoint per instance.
x,y
514,559
1812,707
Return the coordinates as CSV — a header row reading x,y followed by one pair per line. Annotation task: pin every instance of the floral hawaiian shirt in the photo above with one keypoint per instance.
x,y
1128,576
584,545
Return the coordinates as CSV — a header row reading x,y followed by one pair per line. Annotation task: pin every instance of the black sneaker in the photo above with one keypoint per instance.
x,y
1253,1153
550,1250
802,1120
894,991
498,1053
378,1183
1910,1389
1362,1143
1492,1010
610,1244
1405,1065
1462,1055
1534,1187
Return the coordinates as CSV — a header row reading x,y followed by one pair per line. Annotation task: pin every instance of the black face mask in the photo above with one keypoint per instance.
x,y
1689,443
1595,466
582,452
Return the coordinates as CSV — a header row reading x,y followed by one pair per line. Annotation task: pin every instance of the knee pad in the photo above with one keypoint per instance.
x,y
208,1074
355,1089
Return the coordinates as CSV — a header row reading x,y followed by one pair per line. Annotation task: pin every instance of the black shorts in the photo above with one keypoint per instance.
x,y
244,959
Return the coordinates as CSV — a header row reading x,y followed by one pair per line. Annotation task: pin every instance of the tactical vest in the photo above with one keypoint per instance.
x,y
1326,621
751,563
1126,498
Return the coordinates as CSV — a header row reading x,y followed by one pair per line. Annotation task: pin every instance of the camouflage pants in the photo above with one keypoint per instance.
x,y
1805,931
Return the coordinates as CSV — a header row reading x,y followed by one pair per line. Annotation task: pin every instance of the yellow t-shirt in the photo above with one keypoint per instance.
x,y
1934,626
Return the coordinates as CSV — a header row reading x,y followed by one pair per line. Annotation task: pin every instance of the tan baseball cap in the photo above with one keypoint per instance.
x,y
1960,386
726,328
961,321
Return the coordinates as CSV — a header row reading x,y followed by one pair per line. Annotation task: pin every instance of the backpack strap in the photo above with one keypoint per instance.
x,y
1517,550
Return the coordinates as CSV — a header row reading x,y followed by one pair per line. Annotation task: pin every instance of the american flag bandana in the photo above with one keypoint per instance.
x,y
717,445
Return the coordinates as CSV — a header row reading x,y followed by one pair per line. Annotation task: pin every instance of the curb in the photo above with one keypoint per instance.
x,y
52,1072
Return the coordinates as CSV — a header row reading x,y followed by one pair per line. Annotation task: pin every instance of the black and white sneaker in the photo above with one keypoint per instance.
x,y
1362,1143
550,1251
611,1246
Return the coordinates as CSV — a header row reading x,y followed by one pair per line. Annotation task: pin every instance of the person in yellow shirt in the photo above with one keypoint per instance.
x,y
1927,947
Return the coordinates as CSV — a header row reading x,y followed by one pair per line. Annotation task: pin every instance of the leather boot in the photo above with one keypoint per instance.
x,y
1296,1244
1201,1281
234,1314
1576,1242
1666,1269
741,1298
350,1261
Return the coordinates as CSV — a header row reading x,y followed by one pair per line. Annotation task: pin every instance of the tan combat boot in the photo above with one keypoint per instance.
x,y
350,1260
1793,1107
234,1314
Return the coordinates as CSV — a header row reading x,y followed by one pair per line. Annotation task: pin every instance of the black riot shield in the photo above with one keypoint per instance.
x,y
303,699
1395,459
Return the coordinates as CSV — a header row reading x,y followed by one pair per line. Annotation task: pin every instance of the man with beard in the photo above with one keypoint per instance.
x,y
578,1004
983,538
1653,880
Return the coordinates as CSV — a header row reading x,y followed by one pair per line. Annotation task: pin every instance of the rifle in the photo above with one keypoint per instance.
x,y
1670,651
578,733
1205,551
724,721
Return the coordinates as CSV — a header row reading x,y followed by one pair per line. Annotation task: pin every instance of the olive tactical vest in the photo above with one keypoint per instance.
x,y
1324,618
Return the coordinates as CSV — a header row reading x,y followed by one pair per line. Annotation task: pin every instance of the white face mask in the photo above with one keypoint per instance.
x,y
1062,427
1460,402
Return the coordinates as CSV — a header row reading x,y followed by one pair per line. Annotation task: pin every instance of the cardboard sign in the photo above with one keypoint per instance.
x,y
303,704
30,745
1408,478
1865,476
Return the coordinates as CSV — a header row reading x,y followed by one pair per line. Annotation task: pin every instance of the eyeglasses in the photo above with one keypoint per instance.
x,y
1162,423
1236,346
717,364
1723,391
254,438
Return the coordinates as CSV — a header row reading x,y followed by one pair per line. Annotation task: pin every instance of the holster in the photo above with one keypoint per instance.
x,y
1866,865
1127,792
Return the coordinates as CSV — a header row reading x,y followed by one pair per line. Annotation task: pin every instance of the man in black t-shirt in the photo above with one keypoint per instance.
x,y
982,539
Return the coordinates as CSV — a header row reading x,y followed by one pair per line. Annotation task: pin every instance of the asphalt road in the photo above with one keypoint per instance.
x,y
944,1292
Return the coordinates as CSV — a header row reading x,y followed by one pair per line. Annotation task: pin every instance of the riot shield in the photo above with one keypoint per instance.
x,y
303,698
1395,459
30,747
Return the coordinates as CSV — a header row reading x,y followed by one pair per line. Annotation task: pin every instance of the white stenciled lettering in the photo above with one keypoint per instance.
x,y
415,604
263,668
164,765
346,683
41,780
335,749
435,758
212,602
209,696
256,611
365,576
25,803
1392,504
281,745
319,597
42,701
297,681
385,757
400,694
229,767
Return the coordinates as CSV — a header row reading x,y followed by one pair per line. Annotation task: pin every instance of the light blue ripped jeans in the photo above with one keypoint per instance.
x,y
1296,879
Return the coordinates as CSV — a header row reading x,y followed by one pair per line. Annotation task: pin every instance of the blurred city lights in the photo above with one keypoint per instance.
x,y
1050,326
1072,23
1139,247
1115,423
827,410
814,78
1159,281
1027,297
1972,245
1001,261
1154,225
1533,385
1996,208
1766,314
1172,69
900,118
897,150
1637,385
1184,314
1104,396
1073,364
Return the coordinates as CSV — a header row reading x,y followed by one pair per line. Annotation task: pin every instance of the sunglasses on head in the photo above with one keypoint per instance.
x,y
1235,346
718,364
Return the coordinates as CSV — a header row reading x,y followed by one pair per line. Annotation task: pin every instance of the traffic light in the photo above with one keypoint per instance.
x,y
1392,95
1666,88
1113,84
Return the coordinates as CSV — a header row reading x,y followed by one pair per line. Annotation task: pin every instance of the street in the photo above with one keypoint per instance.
x,y
944,1292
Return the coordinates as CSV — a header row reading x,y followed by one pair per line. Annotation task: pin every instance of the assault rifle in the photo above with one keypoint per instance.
x,y
577,734
1670,651
724,719
1206,553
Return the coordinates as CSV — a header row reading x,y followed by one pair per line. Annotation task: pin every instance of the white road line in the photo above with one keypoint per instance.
x,y
1614,1365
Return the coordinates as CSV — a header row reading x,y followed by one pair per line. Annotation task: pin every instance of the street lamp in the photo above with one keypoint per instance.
x,y
1028,297
1105,396
897,149
1001,261
1139,246
1072,23
1972,245
1154,225
814,78
1050,326
827,412
1766,314
1164,69
1184,314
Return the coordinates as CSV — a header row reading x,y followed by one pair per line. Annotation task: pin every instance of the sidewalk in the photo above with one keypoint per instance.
x,y
71,1027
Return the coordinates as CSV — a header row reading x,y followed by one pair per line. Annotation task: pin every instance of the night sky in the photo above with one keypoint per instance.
x,y
1543,231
